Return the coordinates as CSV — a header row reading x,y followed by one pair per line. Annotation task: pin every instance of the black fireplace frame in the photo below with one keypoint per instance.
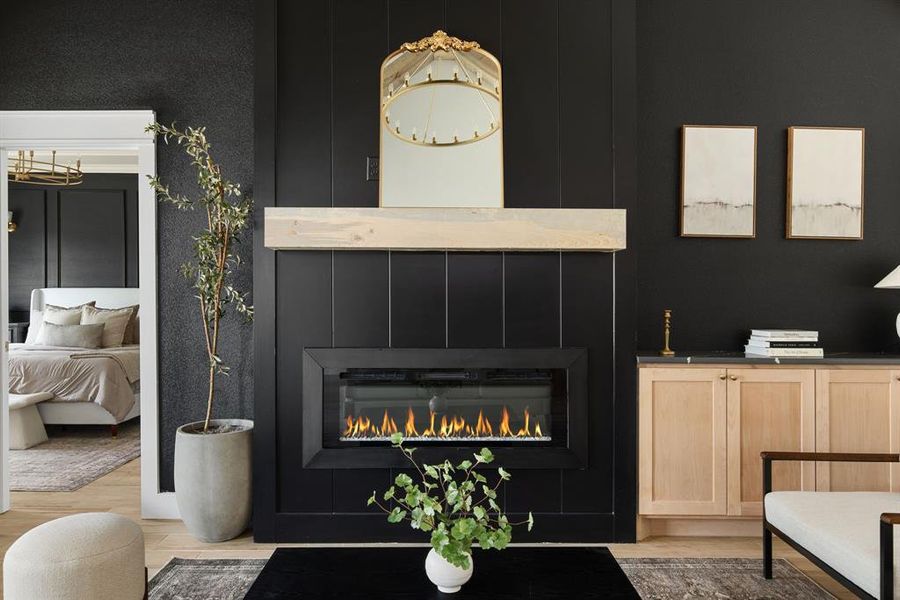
x,y
574,455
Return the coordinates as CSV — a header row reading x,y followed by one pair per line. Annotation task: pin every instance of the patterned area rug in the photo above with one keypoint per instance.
x,y
202,579
74,457
720,578
654,578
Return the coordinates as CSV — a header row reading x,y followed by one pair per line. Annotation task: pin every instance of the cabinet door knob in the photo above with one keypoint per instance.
x,y
733,377
723,377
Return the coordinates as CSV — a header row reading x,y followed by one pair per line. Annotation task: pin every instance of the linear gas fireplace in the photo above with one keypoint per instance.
x,y
527,405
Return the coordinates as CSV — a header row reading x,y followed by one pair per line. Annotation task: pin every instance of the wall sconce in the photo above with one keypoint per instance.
x,y
10,224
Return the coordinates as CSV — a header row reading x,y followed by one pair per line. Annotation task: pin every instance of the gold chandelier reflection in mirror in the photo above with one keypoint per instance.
x,y
25,169
441,91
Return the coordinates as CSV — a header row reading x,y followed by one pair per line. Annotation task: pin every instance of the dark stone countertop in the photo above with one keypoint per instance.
x,y
738,358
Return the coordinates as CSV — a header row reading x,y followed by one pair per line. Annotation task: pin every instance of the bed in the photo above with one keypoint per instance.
x,y
90,386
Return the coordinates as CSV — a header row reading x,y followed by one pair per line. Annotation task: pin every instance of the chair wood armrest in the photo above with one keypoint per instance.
x,y
769,456
886,551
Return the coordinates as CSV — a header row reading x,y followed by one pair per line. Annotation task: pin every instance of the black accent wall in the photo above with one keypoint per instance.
x,y
191,62
771,64
568,72
80,236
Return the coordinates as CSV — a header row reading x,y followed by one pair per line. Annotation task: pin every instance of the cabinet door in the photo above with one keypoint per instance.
x,y
682,441
857,411
768,409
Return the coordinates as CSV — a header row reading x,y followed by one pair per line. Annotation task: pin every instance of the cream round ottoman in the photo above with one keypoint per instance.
x,y
81,557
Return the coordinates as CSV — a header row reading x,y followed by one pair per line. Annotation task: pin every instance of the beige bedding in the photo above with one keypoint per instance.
x,y
105,375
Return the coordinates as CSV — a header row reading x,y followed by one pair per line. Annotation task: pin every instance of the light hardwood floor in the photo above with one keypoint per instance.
x,y
119,492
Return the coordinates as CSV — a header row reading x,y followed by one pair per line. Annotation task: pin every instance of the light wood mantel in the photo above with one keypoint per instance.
x,y
460,229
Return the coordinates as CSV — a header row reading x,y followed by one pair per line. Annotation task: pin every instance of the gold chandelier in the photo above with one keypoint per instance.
x,y
25,169
441,91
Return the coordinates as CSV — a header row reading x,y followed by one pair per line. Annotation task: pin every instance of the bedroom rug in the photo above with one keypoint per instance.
x,y
73,457
654,578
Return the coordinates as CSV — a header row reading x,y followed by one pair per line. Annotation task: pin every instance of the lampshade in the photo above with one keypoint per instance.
x,y
891,280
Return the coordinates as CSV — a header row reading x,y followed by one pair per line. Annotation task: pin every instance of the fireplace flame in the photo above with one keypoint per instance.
x,y
447,427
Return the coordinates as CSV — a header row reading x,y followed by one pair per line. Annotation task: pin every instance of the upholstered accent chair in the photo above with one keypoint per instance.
x,y
849,535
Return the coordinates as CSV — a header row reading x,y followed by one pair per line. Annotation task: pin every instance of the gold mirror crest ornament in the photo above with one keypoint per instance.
x,y
440,41
441,91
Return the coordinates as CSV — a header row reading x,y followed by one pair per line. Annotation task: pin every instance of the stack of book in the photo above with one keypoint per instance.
x,y
784,343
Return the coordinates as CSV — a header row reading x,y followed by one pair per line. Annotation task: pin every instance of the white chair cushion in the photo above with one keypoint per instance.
x,y
840,528
91,555
17,401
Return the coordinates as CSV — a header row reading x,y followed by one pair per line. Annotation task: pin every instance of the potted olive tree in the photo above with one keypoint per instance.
x,y
212,457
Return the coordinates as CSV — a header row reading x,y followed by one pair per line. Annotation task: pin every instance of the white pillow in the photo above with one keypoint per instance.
x,y
58,315
114,321
71,336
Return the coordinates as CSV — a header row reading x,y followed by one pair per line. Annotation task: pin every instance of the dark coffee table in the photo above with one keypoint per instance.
x,y
399,573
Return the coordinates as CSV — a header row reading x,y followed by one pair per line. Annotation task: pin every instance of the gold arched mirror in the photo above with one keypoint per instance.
x,y
441,125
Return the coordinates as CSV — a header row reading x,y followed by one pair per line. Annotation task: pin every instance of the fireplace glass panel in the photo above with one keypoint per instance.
x,y
458,406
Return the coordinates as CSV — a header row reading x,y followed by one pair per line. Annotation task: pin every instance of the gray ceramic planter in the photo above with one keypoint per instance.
x,y
213,476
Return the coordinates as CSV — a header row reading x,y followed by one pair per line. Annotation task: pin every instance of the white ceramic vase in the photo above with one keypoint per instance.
x,y
448,578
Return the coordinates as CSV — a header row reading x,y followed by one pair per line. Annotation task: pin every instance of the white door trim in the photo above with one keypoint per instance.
x,y
113,129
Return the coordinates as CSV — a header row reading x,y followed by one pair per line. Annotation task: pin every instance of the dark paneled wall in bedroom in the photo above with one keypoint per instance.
x,y
568,72
82,236
191,62
771,64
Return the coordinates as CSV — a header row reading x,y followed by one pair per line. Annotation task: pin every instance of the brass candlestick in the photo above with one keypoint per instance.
x,y
667,326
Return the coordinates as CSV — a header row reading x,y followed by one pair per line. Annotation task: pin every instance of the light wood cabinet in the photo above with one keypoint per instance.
x,y
857,410
702,428
682,441
768,409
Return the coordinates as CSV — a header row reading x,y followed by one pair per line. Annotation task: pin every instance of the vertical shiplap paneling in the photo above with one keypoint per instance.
x,y
475,300
303,308
586,162
531,179
358,47
27,247
418,299
303,279
532,320
530,104
418,280
360,297
475,280
409,21
625,119
91,251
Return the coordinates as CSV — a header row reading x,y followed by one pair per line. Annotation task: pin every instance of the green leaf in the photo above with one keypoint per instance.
x,y
504,474
491,494
430,471
464,465
479,512
484,456
403,480
396,515
530,521
371,500
493,504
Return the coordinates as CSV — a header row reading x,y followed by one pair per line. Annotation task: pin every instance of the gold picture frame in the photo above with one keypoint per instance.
x,y
825,183
718,189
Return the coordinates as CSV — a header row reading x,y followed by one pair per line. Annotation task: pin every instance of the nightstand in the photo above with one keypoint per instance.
x,y
17,332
